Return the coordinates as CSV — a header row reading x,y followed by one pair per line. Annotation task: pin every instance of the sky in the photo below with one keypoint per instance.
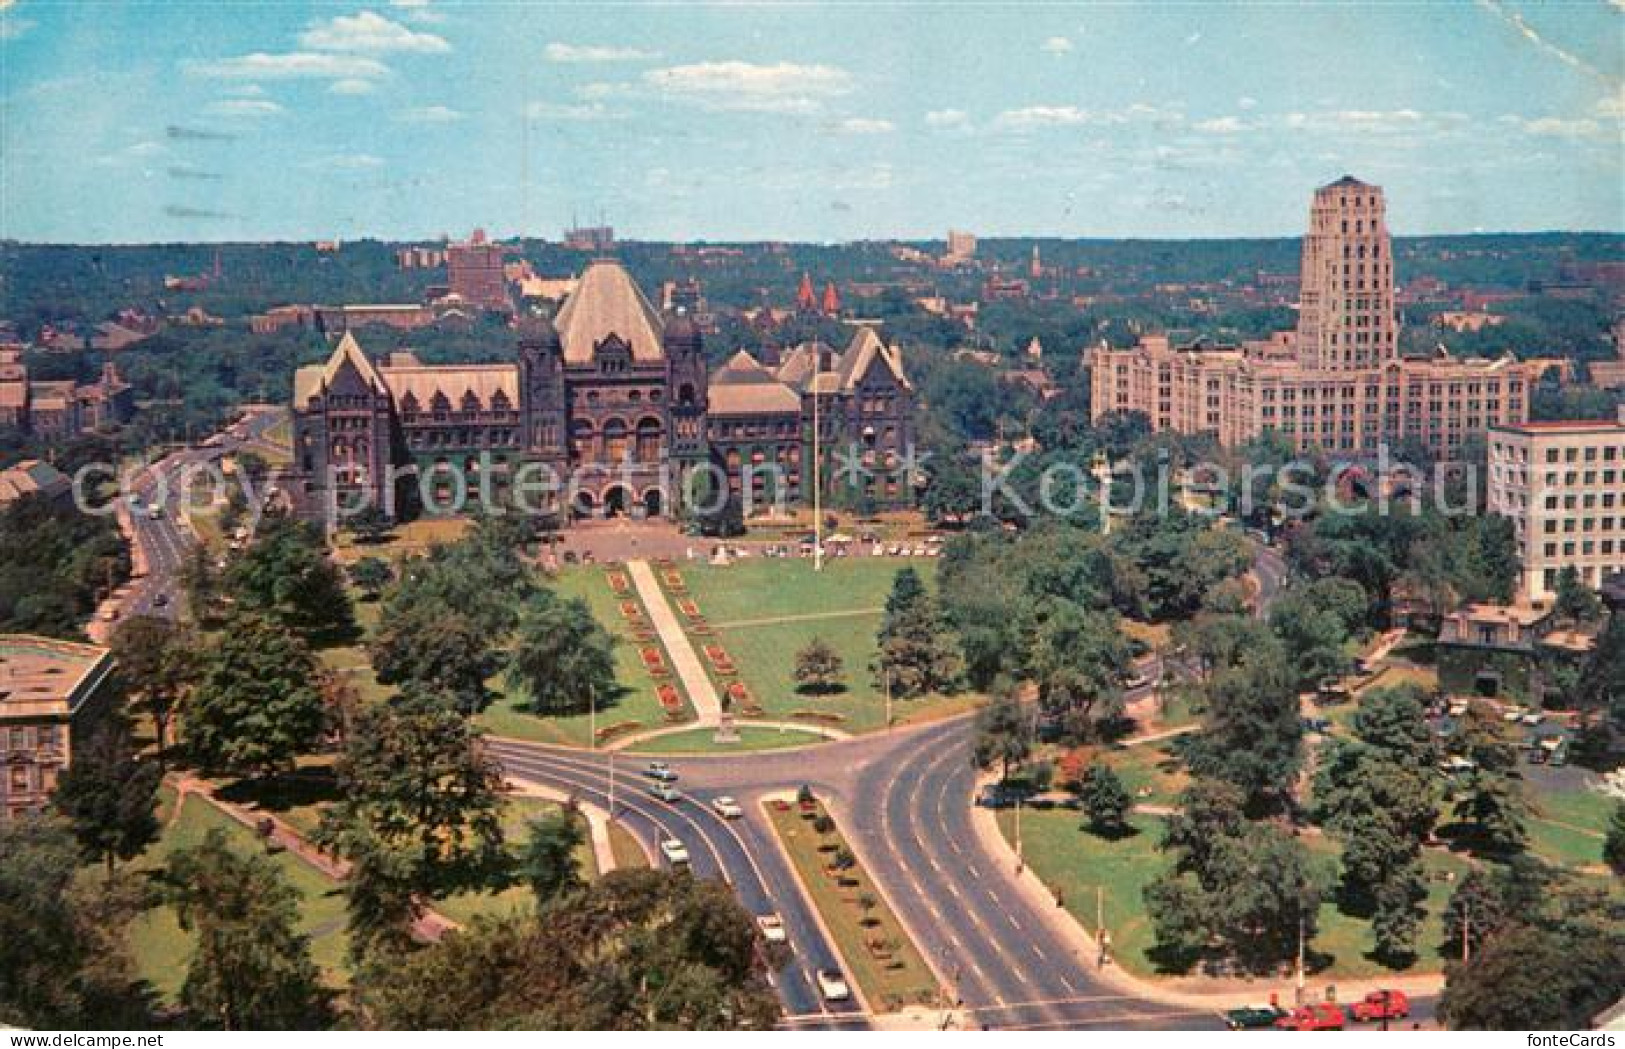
x,y
194,120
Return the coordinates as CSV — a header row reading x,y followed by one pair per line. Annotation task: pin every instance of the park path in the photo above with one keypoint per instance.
x,y
803,617
696,682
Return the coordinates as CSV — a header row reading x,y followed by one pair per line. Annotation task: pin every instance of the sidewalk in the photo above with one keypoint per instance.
x,y
1195,992
701,693
603,852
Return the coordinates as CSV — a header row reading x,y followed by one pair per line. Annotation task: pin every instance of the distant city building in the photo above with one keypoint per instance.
x,y
61,409
1337,383
418,258
1562,484
1610,375
51,693
599,240
961,246
33,477
609,395
1468,320
474,273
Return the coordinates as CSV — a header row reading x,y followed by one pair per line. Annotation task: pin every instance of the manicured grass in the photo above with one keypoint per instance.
x,y
762,611
1154,635
1150,772
1077,862
162,949
1568,827
703,741
1394,676
637,703
629,855
897,975
413,537
465,906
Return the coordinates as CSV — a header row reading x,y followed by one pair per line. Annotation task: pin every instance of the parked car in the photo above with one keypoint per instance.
x,y
1381,1005
1253,1017
1321,1016
160,600
832,985
727,808
772,927
659,770
665,792
676,852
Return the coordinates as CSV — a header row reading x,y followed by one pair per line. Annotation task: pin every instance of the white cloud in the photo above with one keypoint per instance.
x,y
947,118
351,86
1613,106
600,89
417,11
430,115
1370,121
1043,116
586,53
783,87
246,107
293,65
1557,127
864,126
1247,102
566,111
370,33
12,27
1223,126
349,162
1056,45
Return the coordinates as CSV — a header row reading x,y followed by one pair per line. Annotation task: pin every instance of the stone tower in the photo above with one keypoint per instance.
x,y
1346,320
541,392
686,384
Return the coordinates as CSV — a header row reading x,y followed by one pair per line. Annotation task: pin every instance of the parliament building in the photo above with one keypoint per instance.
x,y
615,401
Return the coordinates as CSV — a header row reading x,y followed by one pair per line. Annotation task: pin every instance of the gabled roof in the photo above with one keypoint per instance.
x,y
312,379
484,381
606,302
861,353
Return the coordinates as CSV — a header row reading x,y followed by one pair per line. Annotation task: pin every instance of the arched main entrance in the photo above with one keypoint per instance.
x,y
617,500
651,502
583,503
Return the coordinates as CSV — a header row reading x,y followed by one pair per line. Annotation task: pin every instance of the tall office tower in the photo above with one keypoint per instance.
x,y
1346,320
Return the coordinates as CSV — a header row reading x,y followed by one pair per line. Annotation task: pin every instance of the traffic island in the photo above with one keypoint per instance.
x,y
877,954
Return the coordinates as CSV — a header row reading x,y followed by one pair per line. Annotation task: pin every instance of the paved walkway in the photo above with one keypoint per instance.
x,y
804,617
696,682
603,851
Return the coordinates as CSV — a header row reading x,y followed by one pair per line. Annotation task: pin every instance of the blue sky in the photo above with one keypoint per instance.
x,y
191,120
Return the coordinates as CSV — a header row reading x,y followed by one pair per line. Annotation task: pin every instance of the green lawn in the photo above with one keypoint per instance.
x,y
162,949
703,741
1150,772
1568,827
1076,862
638,702
879,955
742,600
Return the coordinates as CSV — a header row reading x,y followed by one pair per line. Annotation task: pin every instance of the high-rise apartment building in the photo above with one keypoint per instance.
x,y
474,273
1562,484
1337,383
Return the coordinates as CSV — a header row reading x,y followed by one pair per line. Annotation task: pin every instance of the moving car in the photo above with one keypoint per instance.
x,y
1382,1005
727,808
1253,1017
1321,1016
665,792
772,927
659,770
160,600
832,985
676,852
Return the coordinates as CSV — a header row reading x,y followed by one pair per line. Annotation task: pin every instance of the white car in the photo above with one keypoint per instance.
x,y
832,985
665,792
676,852
659,770
772,927
727,808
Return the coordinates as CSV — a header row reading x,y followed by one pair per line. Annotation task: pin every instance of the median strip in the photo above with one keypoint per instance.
x,y
879,956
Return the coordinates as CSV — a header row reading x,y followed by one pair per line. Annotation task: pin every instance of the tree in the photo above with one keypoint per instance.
x,y
418,811
1490,803
200,582
110,797
251,968
562,659
258,700
287,576
1252,735
1314,621
369,525
1399,912
917,651
1601,686
635,950
548,862
435,650
1004,735
1105,800
1613,846
819,668
63,962
907,595
1575,602
156,659
371,574
1079,661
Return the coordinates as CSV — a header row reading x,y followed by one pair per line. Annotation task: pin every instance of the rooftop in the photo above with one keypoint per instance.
x,y
42,677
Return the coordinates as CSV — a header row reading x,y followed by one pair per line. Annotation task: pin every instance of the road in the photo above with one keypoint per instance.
x,y
165,540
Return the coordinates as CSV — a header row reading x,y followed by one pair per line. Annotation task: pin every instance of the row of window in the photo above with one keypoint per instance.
x,y
21,738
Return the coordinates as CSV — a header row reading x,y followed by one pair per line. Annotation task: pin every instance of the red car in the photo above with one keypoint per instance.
x,y
1382,1005
1321,1016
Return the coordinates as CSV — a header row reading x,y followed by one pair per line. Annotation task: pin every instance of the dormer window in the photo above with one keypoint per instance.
x,y
613,355
471,403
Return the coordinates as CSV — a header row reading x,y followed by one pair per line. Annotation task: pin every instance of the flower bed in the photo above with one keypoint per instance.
x,y
689,608
823,717
720,659
740,698
674,581
620,728
619,583
653,660
630,610
671,702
